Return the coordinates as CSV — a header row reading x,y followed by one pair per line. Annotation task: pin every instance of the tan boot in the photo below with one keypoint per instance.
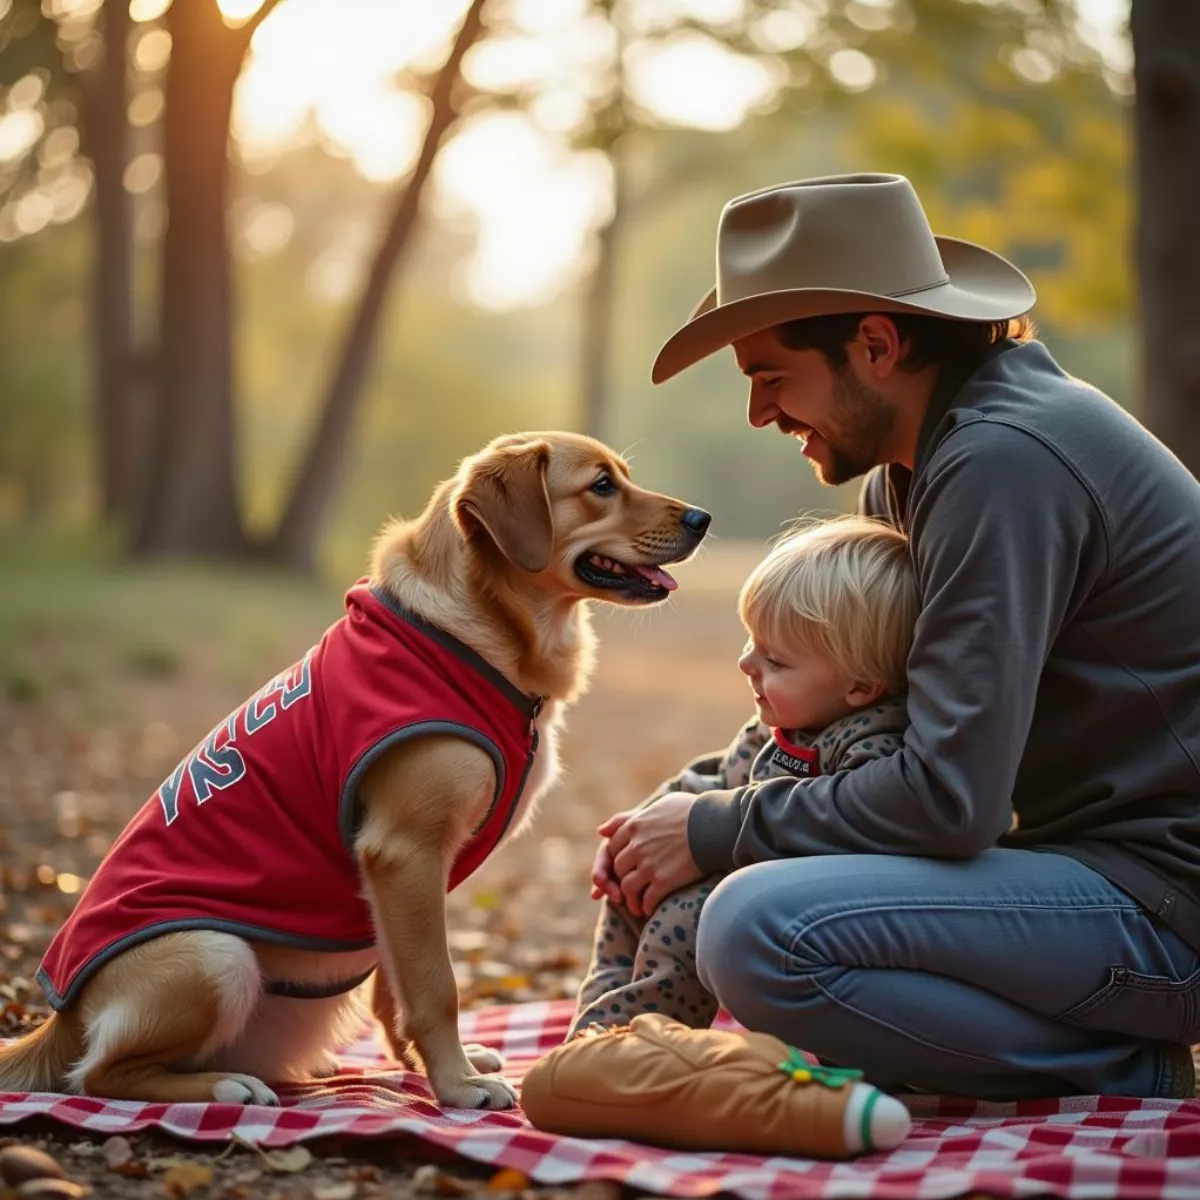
x,y
661,1082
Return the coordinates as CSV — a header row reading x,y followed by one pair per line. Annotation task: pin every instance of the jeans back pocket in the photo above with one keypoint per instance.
x,y
1154,1007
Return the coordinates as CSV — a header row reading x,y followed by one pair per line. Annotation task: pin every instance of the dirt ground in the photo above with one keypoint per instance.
x,y
108,675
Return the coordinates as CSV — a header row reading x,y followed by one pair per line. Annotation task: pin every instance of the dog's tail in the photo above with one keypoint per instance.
x,y
40,1061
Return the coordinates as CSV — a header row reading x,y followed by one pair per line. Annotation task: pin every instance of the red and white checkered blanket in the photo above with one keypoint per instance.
x,y
1086,1146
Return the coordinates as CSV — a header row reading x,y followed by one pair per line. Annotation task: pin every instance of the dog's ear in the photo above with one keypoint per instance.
x,y
503,493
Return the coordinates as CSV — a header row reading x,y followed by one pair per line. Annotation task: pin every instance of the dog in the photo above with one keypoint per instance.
x,y
428,717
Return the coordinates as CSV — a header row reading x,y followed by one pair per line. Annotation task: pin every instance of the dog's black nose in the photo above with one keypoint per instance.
x,y
697,520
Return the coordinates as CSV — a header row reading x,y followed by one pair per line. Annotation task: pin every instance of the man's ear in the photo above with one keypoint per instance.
x,y
882,343
503,494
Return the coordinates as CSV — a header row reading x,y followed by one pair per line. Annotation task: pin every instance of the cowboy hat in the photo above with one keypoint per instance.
x,y
838,244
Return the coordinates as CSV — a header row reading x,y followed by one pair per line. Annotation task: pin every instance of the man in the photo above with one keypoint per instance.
x,y
894,917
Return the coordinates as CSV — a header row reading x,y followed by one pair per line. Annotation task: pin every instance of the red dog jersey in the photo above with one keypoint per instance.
x,y
253,832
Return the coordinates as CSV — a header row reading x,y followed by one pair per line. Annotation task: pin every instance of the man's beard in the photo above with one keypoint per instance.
x,y
859,425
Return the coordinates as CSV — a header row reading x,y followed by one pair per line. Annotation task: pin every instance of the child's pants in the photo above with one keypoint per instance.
x,y
641,965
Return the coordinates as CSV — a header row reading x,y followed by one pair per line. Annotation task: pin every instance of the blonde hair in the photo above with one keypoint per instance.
x,y
843,588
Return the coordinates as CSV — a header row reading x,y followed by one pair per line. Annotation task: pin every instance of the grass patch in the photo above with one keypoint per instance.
x,y
22,684
153,661
86,616
76,617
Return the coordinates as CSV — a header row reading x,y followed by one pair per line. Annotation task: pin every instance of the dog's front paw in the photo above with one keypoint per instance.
x,y
483,1058
478,1091
244,1089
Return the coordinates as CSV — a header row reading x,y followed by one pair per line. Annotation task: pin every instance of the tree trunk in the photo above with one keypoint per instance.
x,y
106,142
595,360
595,368
324,462
190,503
1166,40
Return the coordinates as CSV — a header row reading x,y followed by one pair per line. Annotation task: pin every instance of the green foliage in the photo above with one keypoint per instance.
x,y
30,47
1040,171
446,378
44,465
77,619
153,660
22,684
1036,170
28,43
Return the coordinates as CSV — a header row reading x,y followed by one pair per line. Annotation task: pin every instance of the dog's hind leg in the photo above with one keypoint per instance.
x,y
160,1009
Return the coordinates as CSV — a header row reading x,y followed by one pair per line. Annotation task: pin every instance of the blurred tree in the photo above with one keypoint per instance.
x,y
1008,122
117,387
43,409
321,472
171,473
74,80
1002,116
609,126
1166,40
1015,132
190,500
82,76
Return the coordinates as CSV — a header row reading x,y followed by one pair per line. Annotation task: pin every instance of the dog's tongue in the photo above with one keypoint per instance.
x,y
656,575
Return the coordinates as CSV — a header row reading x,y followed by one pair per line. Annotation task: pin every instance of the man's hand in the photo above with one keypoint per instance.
x,y
604,880
649,852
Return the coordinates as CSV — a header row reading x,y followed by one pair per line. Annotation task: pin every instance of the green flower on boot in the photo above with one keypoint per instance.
x,y
800,1070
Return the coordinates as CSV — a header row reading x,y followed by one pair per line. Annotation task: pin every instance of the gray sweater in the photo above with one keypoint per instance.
x,y
1055,669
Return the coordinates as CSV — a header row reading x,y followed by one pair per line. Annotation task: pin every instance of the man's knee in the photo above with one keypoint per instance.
x,y
738,950
759,934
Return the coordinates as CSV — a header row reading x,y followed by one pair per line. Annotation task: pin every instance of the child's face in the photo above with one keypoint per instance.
x,y
801,689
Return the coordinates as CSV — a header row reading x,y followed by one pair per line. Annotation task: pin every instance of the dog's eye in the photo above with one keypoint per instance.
x,y
604,486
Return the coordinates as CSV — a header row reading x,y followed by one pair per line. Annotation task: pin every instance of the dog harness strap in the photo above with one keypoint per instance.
x,y
315,991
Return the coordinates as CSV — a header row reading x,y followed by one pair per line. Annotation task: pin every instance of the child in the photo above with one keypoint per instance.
x,y
830,613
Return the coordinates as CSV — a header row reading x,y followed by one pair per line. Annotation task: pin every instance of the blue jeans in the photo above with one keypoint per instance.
x,y
1016,974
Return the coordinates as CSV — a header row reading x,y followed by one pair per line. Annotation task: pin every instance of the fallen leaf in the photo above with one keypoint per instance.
x,y
21,1163
468,941
116,1151
597,1189
49,1189
288,1162
432,1181
168,1161
186,1178
507,1180
335,1191
559,960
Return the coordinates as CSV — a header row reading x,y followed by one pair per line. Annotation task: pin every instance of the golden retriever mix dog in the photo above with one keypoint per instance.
x,y
314,833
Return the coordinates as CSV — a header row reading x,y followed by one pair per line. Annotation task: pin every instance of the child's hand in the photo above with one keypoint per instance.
x,y
604,881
